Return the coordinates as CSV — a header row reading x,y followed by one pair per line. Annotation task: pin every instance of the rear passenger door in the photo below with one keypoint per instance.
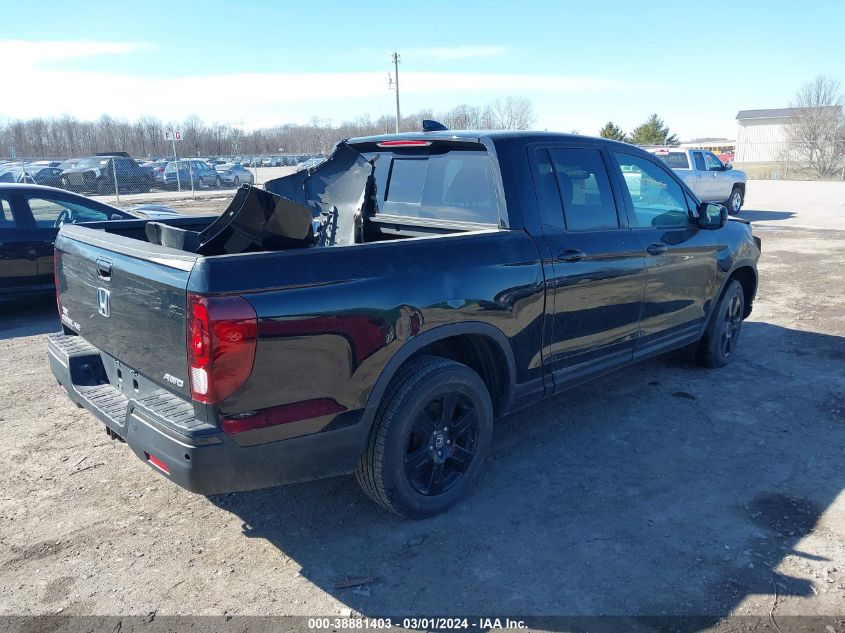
x,y
18,268
596,277
680,257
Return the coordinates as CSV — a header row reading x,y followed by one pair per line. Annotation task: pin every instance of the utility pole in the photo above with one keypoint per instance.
x,y
395,83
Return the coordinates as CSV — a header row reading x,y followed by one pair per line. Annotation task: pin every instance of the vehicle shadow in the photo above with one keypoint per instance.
x,y
765,216
28,316
661,490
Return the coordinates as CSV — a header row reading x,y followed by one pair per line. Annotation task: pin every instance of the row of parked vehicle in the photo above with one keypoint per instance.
x,y
288,160
117,172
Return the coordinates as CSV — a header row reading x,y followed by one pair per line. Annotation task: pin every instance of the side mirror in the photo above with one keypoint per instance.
x,y
711,216
728,166
115,216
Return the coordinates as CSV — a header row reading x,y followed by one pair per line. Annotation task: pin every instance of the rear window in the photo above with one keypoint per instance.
x,y
675,160
456,186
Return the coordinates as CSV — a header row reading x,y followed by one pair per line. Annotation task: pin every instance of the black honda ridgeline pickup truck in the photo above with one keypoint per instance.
x,y
384,308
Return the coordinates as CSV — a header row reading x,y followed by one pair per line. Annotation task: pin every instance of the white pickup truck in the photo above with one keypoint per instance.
x,y
706,175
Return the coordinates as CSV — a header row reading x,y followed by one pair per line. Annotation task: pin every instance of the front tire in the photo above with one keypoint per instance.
x,y
718,345
735,201
429,440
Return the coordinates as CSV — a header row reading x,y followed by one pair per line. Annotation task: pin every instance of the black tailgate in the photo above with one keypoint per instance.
x,y
127,298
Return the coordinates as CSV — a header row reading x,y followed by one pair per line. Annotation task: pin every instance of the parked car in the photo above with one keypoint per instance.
x,y
292,346
30,217
48,175
15,172
98,174
69,163
235,175
727,157
310,163
203,174
152,211
706,175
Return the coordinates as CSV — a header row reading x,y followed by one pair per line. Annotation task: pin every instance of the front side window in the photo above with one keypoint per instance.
x,y
54,212
698,157
657,198
712,163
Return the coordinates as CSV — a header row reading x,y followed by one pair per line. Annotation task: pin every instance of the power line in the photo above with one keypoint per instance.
x,y
394,83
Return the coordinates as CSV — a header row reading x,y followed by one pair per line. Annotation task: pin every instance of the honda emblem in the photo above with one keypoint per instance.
x,y
103,302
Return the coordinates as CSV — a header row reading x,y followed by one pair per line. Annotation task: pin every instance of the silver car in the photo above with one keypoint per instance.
x,y
234,174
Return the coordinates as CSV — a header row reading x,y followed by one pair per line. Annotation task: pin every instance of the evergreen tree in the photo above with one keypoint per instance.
x,y
653,132
613,132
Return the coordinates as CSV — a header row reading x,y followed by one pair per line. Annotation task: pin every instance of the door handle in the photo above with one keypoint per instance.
x,y
570,255
104,269
656,249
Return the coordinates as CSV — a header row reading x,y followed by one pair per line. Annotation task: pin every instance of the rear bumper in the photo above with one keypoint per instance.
x,y
196,455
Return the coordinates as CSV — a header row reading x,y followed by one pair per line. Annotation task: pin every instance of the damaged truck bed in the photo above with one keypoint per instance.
x,y
376,313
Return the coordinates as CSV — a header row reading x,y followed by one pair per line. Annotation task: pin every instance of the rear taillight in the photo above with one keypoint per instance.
x,y
222,335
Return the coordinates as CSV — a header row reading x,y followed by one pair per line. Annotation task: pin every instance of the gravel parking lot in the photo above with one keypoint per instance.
x,y
661,489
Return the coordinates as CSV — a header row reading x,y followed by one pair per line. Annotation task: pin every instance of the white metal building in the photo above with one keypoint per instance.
x,y
762,135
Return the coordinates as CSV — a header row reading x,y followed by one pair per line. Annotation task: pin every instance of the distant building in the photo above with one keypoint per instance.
x,y
762,135
763,147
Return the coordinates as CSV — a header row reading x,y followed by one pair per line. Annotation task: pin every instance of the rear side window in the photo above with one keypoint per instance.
x,y
579,179
455,186
6,219
675,160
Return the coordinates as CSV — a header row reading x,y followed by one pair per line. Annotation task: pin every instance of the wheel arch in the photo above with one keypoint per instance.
x,y
480,346
745,272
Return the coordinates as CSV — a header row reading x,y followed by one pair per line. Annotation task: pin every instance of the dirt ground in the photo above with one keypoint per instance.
x,y
661,489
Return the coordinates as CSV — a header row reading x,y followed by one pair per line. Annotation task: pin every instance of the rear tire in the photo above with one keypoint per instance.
x,y
429,440
735,201
718,345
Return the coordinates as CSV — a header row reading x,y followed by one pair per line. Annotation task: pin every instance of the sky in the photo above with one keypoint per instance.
x,y
259,63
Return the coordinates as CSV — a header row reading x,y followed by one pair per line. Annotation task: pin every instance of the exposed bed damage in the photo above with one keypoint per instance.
x,y
319,207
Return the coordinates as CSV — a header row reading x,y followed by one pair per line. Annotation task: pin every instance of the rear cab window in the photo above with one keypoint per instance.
x,y
675,160
450,182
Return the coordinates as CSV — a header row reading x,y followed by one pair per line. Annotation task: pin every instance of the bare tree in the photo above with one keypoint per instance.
x,y
512,113
68,137
815,132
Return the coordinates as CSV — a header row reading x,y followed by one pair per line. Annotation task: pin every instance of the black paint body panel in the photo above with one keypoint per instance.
x,y
336,323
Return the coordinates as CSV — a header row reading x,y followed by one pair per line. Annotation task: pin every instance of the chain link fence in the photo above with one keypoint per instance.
x,y
789,160
118,174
